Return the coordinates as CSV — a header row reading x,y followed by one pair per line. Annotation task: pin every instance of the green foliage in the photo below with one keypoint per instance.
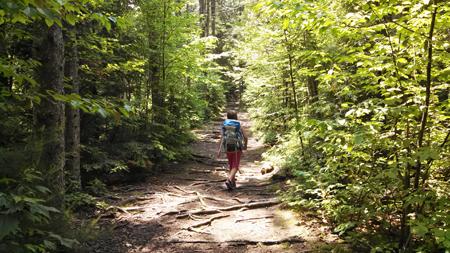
x,y
25,216
353,145
116,44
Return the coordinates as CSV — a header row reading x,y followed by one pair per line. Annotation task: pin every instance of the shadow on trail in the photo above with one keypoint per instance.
x,y
188,209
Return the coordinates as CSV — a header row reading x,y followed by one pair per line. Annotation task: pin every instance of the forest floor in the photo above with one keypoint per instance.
x,y
187,208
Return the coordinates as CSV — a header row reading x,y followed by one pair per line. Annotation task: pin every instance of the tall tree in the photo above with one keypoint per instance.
x,y
72,134
202,11
50,112
213,17
208,17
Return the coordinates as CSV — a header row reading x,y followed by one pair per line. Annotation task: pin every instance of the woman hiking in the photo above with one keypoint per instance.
x,y
232,142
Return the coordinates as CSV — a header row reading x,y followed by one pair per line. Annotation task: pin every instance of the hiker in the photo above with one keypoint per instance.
x,y
232,142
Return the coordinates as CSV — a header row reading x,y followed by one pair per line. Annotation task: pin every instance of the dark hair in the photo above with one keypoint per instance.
x,y
232,115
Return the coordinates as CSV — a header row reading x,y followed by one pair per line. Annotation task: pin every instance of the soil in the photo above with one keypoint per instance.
x,y
167,213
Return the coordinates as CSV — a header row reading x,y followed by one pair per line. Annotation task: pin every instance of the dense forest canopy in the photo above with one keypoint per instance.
x,y
351,96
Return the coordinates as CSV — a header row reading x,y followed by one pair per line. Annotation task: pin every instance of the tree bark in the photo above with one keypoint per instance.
x,y
291,72
201,12
423,121
213,17
208,17
4,81
50,113
72,114
312,89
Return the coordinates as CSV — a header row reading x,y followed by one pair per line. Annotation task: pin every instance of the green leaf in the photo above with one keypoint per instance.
x,y
426,153
8,225
42,189
50,245
402,60
102,112
69,243
71,19
49,22
358,138
420,229
343,228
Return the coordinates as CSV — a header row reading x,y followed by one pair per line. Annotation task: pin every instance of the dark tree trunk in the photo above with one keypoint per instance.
x,y
312,89
50,113
208,17
72,114
291,72
4,81
156,94
424,118
213,17
202,12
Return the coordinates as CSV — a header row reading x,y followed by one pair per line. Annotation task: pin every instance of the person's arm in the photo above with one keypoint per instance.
x,y
219,149
245,138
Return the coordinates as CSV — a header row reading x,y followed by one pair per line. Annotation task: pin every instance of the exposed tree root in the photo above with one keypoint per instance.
x,y
188,201
208,182
221,209
255,218
238,200
200,197
198,231
216,199
132,209
175,195
181,189
244,242
201,200
207,222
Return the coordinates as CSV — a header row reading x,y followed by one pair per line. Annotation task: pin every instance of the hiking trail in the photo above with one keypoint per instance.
x,y
186,208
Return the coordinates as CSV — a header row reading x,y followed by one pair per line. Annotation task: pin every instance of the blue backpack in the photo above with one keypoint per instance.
x,y
232,136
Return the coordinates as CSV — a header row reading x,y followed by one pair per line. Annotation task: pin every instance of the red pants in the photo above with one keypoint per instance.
x,y
234,159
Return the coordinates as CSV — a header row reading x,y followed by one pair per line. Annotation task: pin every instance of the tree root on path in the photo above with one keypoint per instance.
x,y
244,242
200,197
134,209
254,218
250,187
254,205
208,182
239,201
207,222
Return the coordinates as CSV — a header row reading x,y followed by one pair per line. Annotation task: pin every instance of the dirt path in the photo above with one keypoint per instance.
x,y
188,209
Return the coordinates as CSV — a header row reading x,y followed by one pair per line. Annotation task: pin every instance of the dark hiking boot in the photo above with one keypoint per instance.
x,y
233,183
229,184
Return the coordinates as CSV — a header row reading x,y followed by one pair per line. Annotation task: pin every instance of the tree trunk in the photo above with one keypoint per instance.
x,y
213,17
50,113
208,17
72,114
202,12
424,118
291,72
312,89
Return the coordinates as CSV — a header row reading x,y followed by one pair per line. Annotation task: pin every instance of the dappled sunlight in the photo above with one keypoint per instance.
x,y
188,209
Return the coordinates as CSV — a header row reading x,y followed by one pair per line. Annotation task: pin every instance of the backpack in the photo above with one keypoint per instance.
x,y
232,136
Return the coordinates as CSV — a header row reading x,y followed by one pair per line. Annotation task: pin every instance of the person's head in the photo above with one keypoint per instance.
x,y
232,115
